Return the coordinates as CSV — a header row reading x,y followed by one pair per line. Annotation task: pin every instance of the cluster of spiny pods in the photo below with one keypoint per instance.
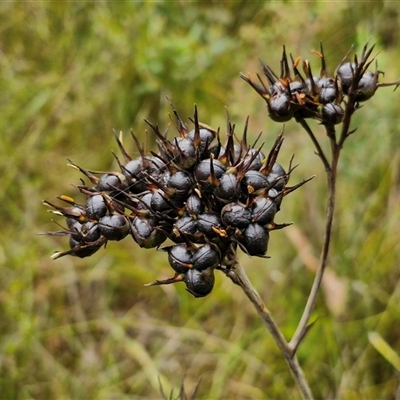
x,y
319,97
206,197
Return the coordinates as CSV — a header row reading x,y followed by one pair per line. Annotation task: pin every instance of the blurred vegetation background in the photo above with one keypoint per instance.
x,y
71,72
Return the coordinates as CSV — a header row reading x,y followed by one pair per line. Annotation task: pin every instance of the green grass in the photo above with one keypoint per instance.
x,y
73,72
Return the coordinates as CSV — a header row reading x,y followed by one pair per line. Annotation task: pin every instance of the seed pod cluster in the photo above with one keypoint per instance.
x,y
204,196
322,97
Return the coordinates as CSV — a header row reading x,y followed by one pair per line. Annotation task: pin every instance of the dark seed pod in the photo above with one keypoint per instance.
x,y
185,225
332,114
202,171
180,258
327,90
264,210
134,172
81,251
132,168
205,257
96,207
255,240
279,176
254,180
276,197
73,224
89,232
184,153
236,215
279,107
114,226
297,87
199,283
234,155
159,201
277,88
164,178
227,190
346,75
367,86
253,160
206,138
311,84
145,234
84,233
194,205
112,181
206,222
75,229
181,182
145,201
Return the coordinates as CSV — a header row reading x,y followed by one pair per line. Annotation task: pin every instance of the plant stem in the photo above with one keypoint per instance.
x,y
331,172
320,153
312,298
238,276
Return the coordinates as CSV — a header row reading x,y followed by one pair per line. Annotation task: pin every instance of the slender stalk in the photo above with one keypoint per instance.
x,y
320,153
238,276
331,171
312,298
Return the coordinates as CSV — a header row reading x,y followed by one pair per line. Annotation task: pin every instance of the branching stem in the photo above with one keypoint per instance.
x,y
238,275
236,272
331,173
312,298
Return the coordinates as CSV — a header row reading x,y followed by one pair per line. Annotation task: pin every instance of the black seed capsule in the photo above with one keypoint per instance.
x,y
332,114
236,215
133,171
181,182
310,85
227,190
205,223
296,87
145,234
132,168
145,201
264,210
159,201
203,173
109,182
186,226
346,75
180,258
367,86
253,160
194,205
205,257
255,240
90,232
206,137
254,180
114,226
96,207
75,227
277,175
184,153
81,251
279,107
276,197
199,283
327,90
